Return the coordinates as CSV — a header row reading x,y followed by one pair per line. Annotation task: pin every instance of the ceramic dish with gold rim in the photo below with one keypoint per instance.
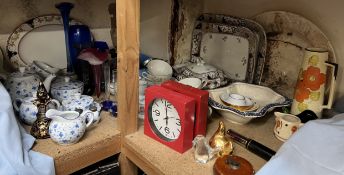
x,y
264,97
237,101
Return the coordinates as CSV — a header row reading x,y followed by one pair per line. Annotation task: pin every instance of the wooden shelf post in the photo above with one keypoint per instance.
x,y
127,20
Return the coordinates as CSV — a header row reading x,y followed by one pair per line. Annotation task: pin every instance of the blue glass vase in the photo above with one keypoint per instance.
x,y
64,9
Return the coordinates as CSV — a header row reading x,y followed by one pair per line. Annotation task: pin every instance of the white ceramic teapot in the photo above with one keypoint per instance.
x,y
67,127
23,83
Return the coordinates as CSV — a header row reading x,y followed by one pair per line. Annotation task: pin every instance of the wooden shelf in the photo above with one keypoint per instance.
x,y
156,158
99,142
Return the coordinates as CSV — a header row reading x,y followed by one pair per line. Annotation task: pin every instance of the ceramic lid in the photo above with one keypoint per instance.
x,y
22,74
83,100
67,84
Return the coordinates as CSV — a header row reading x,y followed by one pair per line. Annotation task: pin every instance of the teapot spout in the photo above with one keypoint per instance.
x,y
48,80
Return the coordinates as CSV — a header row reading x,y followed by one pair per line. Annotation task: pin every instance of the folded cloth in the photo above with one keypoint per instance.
x,y
16,156
316,149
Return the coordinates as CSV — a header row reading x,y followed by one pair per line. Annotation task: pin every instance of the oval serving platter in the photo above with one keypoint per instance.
x,y
288,35
40,38
230,48
249,24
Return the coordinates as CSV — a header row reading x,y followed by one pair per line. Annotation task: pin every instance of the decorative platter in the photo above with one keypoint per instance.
x,y
288,35
41,38
230,48
251,25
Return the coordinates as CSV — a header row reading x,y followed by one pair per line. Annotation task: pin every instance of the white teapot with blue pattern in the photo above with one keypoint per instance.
x,y
23,83
68,127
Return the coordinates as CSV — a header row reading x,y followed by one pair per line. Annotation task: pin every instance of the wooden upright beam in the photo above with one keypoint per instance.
x,y
127,20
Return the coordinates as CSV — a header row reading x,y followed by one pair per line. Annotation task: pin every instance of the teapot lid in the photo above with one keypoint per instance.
x,y
67,84
23,74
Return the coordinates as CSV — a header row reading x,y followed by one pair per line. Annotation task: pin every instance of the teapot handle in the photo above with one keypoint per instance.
x,y
89,117
15,105
334,68
57,103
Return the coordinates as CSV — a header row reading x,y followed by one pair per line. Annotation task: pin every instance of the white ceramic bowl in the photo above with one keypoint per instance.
x,y
159,68
193,82
266,99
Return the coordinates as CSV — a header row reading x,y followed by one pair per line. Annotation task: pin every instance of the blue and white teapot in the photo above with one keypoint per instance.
x,y
68,127
23,83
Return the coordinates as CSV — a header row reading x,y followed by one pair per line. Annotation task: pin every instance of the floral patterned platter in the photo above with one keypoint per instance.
x,y
230,48
288,35
264,97
249,24
33,40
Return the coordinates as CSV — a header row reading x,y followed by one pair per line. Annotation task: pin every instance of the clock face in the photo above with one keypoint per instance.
x,y
164,119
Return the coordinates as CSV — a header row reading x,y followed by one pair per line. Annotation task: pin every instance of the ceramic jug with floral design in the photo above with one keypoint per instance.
x,y
310,87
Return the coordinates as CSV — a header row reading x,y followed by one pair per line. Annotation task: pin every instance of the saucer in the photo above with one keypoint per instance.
x,y
237,101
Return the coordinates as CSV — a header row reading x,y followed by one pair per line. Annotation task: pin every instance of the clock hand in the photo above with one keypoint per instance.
x,y
166,118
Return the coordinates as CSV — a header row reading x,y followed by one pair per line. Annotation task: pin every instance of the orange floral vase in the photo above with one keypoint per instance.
x,y
310,87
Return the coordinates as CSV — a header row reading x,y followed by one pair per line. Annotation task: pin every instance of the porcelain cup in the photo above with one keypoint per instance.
x,y
286,125
193,82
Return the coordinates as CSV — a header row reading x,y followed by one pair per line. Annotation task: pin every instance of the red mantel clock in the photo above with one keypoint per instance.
x,y
169,117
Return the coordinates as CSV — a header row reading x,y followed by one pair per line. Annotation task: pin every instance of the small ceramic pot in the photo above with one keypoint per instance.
x,y
67,127
28,110
22,84
286,125
64,90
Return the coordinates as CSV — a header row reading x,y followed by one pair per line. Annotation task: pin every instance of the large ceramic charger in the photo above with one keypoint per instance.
x,y
41,38
288,35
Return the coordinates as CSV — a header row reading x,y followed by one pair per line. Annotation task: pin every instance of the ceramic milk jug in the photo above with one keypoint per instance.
x,y
310,87
67,127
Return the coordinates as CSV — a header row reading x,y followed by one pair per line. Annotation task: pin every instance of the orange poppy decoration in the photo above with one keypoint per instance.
x,y
313,78
301,92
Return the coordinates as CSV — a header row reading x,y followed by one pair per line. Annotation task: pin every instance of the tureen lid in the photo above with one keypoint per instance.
x,y
67,84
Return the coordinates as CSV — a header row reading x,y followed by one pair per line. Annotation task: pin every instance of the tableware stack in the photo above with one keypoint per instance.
x,y
231,44
157,72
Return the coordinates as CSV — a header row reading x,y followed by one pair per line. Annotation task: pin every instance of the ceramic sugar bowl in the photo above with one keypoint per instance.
x,y
68,127
64,90
28,110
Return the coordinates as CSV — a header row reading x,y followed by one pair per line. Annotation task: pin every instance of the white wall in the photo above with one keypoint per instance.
x,y
327,15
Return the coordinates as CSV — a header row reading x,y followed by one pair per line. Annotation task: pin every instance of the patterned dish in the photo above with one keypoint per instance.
x,y
250,24
266,98
236,57
32,41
